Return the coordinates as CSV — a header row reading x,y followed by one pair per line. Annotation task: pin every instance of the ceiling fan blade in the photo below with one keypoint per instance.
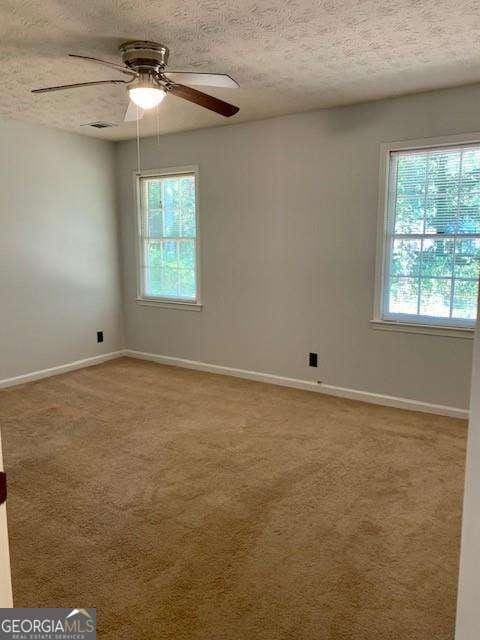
x,y
133,113
114,65
78,84
203,100
205,79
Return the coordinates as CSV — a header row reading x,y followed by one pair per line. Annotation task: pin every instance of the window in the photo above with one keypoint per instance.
x,y
431,237
168,237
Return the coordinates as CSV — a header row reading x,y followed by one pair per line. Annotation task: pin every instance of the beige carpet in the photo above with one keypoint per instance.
x,y
186,505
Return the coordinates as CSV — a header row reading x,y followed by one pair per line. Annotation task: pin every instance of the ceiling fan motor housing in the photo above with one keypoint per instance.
x,y
144,56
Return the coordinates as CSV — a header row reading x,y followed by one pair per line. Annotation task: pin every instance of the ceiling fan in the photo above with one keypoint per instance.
x,y
146,64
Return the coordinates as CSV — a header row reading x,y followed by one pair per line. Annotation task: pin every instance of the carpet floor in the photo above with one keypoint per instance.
x,y
190,506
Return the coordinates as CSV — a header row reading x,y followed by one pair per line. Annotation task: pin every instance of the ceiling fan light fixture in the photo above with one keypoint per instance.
x,y
146,97
146,93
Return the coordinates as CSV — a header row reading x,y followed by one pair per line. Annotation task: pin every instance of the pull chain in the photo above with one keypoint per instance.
x,y
138,143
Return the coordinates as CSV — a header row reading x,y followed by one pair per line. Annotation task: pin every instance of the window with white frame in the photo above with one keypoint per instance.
x,y
168,236
432,237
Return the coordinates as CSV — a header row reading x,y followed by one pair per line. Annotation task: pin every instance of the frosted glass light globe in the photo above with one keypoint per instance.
x,y
146,97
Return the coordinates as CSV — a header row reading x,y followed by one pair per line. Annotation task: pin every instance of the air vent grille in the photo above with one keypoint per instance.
x,y
99,125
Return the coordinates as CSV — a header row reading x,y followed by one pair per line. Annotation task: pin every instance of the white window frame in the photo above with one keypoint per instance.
x,y
167,303
382,256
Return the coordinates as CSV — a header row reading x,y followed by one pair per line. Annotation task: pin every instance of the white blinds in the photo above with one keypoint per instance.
x,y
433,239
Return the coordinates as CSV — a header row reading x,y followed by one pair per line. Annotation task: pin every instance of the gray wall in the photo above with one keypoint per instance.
x,y
59,255
289,211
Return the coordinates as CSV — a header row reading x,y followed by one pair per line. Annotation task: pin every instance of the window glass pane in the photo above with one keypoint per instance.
x,y
465,299
169,253
403,296
186,254
443,173
412,174
409,214
469,213
172,217
469,210
470,170
154,194
153,266
154,223
406,257
410,193
441,213
437,257
186,288
168,283
435,297
467,258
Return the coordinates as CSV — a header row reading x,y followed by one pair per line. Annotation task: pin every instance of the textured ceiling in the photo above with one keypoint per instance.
x,y
287,56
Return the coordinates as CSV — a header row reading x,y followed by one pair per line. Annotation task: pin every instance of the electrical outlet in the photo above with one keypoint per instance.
x,y
312,360
99,336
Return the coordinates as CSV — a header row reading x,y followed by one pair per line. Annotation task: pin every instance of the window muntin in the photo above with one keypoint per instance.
x,y
433,236
168,237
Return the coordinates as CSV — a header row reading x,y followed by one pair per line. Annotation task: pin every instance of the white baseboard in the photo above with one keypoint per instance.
x,y
63,368
308,385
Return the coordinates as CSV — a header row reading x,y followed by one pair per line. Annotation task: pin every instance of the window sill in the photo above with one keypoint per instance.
x,y
169,304
451,332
